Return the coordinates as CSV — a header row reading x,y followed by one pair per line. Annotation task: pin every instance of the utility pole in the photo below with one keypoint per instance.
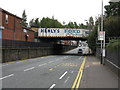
x,y
102,31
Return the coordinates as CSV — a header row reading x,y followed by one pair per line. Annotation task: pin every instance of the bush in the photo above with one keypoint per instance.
x,y
92,40
112,27
113,44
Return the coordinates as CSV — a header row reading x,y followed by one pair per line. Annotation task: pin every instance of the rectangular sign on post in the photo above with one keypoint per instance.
x,y
101,35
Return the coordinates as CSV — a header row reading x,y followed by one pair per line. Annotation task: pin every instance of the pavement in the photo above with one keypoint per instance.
x,y
96,75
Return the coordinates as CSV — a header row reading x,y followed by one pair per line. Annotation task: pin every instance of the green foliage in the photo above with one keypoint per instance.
x,y
35,23
113,9
92,40
113,44
54,23
71,25
50,23
112,27
24,19
82,26
112,19
91,23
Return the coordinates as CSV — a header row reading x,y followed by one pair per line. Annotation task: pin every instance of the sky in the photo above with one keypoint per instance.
x,y
62,10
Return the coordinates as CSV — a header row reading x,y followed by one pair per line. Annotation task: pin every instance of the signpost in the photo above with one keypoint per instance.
x,y
101,35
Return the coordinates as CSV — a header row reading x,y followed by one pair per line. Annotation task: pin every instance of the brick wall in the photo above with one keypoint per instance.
x,y
14,30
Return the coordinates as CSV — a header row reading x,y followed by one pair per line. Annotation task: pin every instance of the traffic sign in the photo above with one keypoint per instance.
x,y
101,35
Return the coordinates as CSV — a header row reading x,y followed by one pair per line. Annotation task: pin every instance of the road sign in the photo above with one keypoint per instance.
x,y
101,35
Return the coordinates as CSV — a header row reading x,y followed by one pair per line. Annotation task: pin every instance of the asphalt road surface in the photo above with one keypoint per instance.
x,y
55,71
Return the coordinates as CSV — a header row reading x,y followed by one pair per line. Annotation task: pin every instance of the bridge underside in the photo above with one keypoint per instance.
x,y
63,38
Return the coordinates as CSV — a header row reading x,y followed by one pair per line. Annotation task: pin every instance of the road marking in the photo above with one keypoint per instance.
x,y
42,64
29,69
50,61
6,76
77,81
52,86
5,64
63,75
71,71
51,69
80,57
66,80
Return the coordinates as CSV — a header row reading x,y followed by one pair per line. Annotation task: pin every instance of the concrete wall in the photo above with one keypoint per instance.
x,y
14,54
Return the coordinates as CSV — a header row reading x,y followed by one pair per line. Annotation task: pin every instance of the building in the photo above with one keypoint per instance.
x,y
12,29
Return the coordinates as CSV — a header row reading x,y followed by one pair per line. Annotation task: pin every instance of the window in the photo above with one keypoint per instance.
x,y
6,19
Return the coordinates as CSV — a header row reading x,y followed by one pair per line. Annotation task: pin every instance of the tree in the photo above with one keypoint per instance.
x,y
50,23
91,23
24,19
112,19
37,23
82,26
31,23
112,27
75,25
70,25
113,9
92,40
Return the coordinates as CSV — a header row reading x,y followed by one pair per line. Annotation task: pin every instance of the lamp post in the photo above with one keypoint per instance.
x,y
101,34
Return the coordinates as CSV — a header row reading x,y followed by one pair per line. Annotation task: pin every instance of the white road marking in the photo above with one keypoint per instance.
x,y
42,57
66,80
42,64
50,61
87,66
6,76
29,69
52,86
80,57
63,75
5,64
71,71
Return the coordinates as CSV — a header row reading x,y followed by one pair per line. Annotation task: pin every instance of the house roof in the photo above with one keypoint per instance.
x,y
9,13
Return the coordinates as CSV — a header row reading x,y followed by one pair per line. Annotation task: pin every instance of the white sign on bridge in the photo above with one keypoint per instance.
x,y
59,32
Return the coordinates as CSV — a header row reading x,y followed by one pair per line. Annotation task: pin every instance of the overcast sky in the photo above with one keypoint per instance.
x,y
63,10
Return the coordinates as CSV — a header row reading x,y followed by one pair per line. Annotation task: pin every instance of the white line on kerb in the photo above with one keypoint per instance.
x,y
6,76
29,69
52,87
113,64
63,75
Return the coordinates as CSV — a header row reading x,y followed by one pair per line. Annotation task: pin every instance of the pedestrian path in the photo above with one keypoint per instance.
x,y
96,75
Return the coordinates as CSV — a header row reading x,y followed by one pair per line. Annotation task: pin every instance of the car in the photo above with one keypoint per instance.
x,y
80,51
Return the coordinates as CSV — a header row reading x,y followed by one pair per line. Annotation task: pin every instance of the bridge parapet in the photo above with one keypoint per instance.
x,y
62,33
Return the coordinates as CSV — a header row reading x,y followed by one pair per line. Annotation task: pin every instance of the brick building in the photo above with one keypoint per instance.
x,y
12,28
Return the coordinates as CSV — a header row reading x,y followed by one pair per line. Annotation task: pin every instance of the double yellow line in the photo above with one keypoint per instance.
x,y
76,83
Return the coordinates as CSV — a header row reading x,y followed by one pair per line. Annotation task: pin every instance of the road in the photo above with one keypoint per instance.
x,y
55,71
